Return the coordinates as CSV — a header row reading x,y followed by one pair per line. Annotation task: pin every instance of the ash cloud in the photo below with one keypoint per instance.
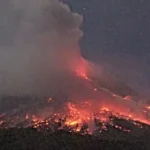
x,y
38,45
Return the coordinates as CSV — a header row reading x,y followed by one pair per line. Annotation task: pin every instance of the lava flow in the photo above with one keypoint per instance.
x,y
128,107
97,113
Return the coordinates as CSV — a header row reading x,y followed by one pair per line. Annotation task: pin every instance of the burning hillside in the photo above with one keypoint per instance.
x,y
51,64
94,109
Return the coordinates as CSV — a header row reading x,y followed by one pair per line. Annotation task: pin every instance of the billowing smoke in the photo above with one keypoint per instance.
x,y
38,45
40,55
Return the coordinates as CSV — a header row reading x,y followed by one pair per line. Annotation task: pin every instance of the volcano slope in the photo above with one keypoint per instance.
x,y
82,115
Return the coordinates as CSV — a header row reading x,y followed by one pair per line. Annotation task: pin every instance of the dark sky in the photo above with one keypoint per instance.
x,y
117,35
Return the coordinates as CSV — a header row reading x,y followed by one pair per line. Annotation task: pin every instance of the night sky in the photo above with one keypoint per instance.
x,y
117,36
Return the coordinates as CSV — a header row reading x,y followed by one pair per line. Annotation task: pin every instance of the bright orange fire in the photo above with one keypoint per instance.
x,y
27,116
148,107
77,116
127,114
90,111
81,70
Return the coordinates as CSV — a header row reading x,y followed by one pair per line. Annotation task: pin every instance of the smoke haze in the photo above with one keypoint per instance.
x,y
38,45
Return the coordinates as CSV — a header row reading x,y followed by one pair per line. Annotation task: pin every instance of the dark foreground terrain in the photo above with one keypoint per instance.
x,y
31,139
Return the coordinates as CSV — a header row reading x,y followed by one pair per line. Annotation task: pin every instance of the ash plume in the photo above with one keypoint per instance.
x,y
38,45
40,56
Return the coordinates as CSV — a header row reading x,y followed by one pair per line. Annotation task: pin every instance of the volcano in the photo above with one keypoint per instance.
x,y
80,105
75,97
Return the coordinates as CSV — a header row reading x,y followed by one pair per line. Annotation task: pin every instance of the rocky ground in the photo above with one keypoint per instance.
x,y
30,139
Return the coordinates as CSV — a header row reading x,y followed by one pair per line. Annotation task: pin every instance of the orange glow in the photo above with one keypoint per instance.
x,y
50,100
95,89
1,122
27,116
81,70
36,121
81,113
105,109
78,114
128,98
89,111
148,107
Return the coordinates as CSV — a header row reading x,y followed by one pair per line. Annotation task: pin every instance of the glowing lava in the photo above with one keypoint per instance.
x,y
81,70
89,115
128,113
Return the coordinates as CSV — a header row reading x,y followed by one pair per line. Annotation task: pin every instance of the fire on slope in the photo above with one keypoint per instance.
x,y
88,115
131,109
79,118
76,117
